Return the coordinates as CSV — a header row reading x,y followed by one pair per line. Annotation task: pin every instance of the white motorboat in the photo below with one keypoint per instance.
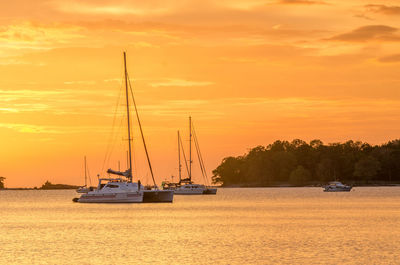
x,y
336,186
123,189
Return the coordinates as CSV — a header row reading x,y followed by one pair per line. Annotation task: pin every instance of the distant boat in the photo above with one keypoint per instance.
x,y
336,186
123,189
85,188
186,186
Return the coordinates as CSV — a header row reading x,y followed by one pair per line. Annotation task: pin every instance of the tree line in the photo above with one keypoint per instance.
x,y
299,163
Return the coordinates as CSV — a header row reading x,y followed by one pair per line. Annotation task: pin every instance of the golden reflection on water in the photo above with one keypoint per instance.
x,y
236,226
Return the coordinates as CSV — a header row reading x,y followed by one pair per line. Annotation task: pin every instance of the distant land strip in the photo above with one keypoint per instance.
x,y
47,186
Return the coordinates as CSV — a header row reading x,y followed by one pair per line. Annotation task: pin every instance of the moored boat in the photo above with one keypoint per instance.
x,y
123,189
210,190
190,189
187,186
157,195
337,186
85,188
115,190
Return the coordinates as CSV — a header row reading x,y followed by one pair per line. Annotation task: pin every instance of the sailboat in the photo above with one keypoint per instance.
x,y
85,188
186,186
122,188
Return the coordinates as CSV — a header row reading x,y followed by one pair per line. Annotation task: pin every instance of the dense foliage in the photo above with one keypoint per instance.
x,y
300,163
2,182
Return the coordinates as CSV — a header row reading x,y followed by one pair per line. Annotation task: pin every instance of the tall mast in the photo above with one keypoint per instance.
x,y
85,171
179,158
129,125
190,148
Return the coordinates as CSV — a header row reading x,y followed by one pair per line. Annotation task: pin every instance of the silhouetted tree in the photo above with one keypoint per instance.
x,y
366,168
299,176
2,182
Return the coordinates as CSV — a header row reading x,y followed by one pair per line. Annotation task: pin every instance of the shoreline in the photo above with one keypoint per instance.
x,y
239,186
37,189
309,186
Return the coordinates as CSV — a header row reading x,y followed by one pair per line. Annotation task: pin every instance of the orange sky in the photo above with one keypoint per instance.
x,y
249,72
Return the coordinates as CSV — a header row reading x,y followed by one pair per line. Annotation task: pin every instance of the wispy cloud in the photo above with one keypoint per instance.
x,y
12,61
383,9
395,58
59,102
79,82
369,33
54,129
78,7
302,2
28,107
30,35
12,95
30,128
180,83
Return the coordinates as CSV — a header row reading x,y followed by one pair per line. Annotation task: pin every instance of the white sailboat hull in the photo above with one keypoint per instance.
x,y
123,197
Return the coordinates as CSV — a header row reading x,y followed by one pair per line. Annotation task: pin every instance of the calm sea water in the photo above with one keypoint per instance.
x,y
236,226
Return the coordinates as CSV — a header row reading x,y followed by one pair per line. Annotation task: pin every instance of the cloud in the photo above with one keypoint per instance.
x,y
11,61
369,33
79,82
58,102
180,83
383,9
302,2
390,59
12,95
16,108
39,36
29,128
53,129
77,7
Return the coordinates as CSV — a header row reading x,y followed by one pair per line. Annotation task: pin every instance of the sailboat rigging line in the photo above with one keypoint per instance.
x,y
134,157
109,143
113,143
200,156
190,148
88,173
179,160
84,159
184,156
141,132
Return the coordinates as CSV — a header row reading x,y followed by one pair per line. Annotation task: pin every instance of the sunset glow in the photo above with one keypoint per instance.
x,y
248,72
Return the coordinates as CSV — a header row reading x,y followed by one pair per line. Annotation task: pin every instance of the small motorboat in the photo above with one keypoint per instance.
x,y
336,186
